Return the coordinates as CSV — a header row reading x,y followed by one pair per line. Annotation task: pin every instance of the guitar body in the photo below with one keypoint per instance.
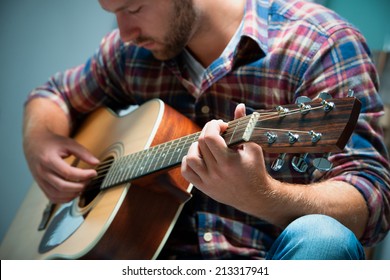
x,y
130,221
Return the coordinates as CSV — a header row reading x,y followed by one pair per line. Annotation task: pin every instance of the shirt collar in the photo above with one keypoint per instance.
x,y
256,22
253,43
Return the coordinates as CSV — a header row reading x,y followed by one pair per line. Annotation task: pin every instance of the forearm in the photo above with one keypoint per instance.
x,y
286,202
42,115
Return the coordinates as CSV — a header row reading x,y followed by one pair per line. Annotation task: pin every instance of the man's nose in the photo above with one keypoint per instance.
x,y
128,29
129,35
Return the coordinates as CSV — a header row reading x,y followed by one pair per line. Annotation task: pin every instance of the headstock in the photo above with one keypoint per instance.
x,y
318,126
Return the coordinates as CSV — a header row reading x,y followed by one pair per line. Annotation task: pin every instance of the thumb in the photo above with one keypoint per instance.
x,y
239,112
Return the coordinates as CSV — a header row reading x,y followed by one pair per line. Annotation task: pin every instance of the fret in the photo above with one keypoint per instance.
x,y
111,175
163,156
171,152
135,166
177,151
129,162
123,176
141,166
154,160
233,133
118,171
182,150
148,159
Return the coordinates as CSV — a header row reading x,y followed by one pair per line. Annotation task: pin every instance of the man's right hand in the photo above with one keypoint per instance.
x,y
60,181
46,146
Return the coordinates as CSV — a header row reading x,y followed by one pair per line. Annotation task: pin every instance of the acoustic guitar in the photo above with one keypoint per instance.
x,y
130,208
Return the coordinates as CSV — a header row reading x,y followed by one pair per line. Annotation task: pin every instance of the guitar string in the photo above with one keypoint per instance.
x,y
105,167
107,164
243,124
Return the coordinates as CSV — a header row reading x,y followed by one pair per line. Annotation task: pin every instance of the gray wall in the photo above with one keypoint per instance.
x,y
37,39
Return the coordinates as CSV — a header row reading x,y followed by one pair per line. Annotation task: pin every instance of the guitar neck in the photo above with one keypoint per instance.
x,y
145,162
319,126
170,154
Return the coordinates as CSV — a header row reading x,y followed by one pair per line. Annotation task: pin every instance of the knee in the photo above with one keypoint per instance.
x,y
318,237
319,227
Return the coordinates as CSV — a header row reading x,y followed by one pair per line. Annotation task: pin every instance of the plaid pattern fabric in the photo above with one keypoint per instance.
x,y
287,49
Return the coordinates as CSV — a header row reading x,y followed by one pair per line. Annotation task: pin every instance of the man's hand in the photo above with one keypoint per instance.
x,y
229,175
46,145
60,181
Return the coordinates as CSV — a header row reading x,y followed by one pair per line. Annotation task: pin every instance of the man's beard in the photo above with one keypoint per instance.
x,y
181,27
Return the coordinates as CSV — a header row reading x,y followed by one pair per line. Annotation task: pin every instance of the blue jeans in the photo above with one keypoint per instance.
x,y
316,237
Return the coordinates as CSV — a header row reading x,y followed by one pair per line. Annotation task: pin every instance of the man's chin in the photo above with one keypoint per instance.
x,y
164,55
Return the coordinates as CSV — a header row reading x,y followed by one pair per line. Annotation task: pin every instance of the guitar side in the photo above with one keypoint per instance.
x,y
125,222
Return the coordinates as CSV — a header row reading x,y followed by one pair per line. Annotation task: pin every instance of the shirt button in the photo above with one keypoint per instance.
x,y
208,236
205,109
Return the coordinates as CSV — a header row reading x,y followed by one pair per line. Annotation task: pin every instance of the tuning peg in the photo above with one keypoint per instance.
x,y
315,136
282,111
302,99
304,108
323,164
299,163
328,106
278,163
292,137
324,96
271,136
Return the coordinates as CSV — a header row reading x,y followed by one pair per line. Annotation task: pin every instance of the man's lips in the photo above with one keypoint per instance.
x,y
148,44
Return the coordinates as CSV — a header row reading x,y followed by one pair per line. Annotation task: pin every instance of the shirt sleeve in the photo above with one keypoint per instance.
x,y
343,63
82,89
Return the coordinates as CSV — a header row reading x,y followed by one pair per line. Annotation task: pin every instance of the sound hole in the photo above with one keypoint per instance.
x,y
93,188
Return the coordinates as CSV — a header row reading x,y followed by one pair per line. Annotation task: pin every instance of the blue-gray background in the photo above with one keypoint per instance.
x,y
41,37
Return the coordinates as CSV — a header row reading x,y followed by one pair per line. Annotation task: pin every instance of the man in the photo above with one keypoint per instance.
x,y
206,58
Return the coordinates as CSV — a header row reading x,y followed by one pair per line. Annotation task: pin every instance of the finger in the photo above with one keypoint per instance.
x,y
64,185
211,145
71,173
195,160
253,150
54,195
240,111
189,174
59,190
203,147
81,153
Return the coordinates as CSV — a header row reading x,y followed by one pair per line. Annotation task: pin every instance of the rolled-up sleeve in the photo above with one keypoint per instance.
x,y
343,63
82,89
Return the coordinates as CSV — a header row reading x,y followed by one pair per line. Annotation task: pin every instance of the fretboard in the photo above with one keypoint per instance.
x,y
148,161
169,154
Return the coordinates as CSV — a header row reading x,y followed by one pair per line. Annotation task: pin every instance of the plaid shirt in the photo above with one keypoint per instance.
x,y
286,49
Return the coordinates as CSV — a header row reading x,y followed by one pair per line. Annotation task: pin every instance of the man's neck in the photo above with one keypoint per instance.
x,y
218,22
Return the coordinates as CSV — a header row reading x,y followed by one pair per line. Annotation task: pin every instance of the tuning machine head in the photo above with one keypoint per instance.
x,y
324,96
323,163
299,163
315,136
278,163
302,99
